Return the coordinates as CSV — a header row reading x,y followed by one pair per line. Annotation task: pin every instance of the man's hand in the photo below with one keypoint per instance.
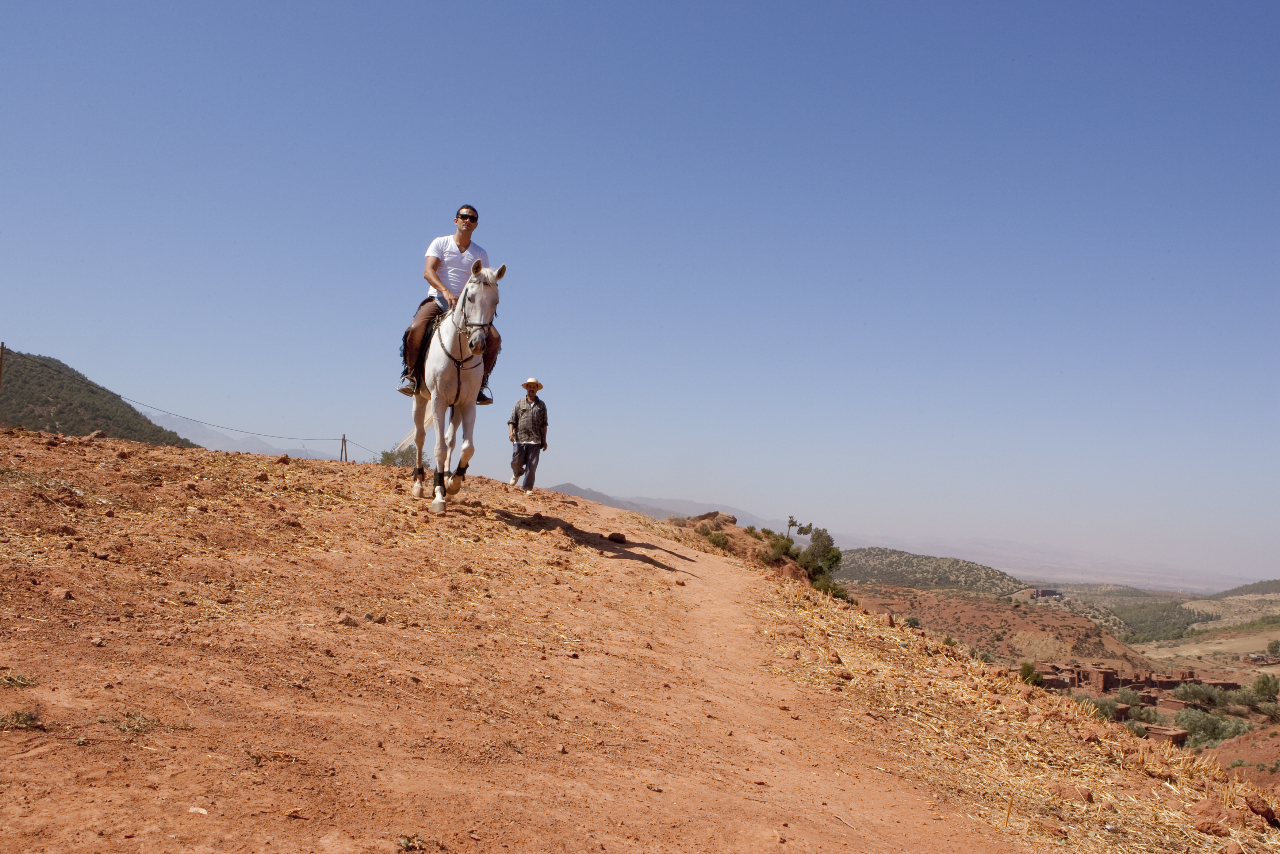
x,y
544,446
451,299
511,436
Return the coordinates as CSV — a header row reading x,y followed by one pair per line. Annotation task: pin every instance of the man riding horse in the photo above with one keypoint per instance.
x,y
449,262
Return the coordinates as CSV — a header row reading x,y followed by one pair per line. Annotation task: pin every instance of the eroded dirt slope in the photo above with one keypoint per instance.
x,y
215,652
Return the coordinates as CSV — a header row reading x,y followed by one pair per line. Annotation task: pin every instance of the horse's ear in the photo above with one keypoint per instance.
x,y
502,271
476,267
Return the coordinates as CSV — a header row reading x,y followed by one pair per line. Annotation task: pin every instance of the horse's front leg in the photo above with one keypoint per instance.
x,y
420,411
442,457
468,448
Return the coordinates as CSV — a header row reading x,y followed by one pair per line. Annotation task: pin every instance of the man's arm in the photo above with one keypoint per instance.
x,y
433,278
544,428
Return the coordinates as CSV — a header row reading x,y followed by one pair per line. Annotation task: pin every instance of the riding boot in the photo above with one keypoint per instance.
x,y
493,346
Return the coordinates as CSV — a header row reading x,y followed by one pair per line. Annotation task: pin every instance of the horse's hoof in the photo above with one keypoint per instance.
x,y
454,484
437,507
417,489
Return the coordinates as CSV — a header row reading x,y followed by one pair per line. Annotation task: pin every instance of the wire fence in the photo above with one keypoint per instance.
x,y
88,382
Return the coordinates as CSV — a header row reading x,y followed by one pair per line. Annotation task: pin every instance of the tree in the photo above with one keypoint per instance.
x,y
1266,686
404,457
1273,649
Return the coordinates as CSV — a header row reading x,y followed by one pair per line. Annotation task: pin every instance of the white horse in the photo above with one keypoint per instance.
x,y
452,378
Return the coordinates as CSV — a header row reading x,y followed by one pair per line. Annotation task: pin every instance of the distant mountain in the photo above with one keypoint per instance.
x,y
903,569
661,508
610,501
42,393
209,438
1249,589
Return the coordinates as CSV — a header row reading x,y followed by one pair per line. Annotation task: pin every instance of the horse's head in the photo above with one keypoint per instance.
x,y
477,305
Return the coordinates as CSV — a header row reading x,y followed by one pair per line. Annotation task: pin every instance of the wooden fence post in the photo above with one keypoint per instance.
x,y
342,458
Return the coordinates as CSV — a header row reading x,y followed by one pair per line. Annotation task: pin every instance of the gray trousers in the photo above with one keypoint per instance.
x,y
524,461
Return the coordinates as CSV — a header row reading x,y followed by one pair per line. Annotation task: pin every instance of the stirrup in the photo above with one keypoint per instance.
x,y
408,386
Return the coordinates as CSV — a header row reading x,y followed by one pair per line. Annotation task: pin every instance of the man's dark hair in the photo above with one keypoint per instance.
x,y
471,208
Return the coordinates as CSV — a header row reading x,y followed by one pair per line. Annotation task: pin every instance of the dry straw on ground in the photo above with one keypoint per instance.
x,y
1038,763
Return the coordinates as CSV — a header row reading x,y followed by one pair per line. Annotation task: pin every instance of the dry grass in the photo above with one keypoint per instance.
x,y
940,716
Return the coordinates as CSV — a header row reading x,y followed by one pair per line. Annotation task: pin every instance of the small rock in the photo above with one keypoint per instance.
x,y
97,641
261,477
561,749
1071,792
679,582
200,810
96,434
1051,828
348,620
833,657
1212,827
1260,807
957,753
887,620
380,619
110,514
617,538
845,674
62,593
1231,847
283,460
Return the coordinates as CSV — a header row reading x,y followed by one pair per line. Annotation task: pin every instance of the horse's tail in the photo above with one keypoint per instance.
x,y
407,441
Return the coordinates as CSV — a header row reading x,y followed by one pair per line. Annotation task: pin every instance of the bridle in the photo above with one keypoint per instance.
x,y
463,328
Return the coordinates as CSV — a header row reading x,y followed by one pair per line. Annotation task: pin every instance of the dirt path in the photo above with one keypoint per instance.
x,y
221,653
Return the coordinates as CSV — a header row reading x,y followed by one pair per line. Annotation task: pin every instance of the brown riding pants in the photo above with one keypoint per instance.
x,y
413,338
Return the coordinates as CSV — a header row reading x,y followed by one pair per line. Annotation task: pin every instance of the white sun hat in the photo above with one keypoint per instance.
x,y
537,386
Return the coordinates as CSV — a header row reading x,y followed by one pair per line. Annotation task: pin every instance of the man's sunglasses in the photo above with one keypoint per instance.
x,y
469,217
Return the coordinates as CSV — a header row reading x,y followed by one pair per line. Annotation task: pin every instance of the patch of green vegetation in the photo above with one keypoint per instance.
x,y
404,458
17,680
41,393
21,720
1209,730
903,569
1154,621
412,843
1249,589
1027,673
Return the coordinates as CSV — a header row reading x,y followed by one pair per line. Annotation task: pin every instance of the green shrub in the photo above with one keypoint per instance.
x,y
1146,714
718,539
704,529
1106,707
1129,697
405,458
948,641
826,584
911,622
1136,728
1266,686
1271,710
1209,730
1273,649
1027,673
1192,692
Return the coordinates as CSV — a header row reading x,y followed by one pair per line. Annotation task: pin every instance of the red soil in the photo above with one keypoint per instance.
x,y
534,687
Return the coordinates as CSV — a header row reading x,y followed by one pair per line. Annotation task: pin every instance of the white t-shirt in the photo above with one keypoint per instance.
x,y
455,266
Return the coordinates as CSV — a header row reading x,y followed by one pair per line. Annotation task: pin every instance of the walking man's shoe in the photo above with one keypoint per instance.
x,y
515,478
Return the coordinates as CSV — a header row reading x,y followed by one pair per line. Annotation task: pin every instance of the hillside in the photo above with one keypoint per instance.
x,y
205,651
1257,588
41,393
903,569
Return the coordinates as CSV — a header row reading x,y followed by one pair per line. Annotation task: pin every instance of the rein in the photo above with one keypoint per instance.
x,y
461,326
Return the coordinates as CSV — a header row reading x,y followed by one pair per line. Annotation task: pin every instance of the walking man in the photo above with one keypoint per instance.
x,y
449,262
527,429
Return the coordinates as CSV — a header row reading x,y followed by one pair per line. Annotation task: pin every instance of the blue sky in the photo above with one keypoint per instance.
x,y
922,273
